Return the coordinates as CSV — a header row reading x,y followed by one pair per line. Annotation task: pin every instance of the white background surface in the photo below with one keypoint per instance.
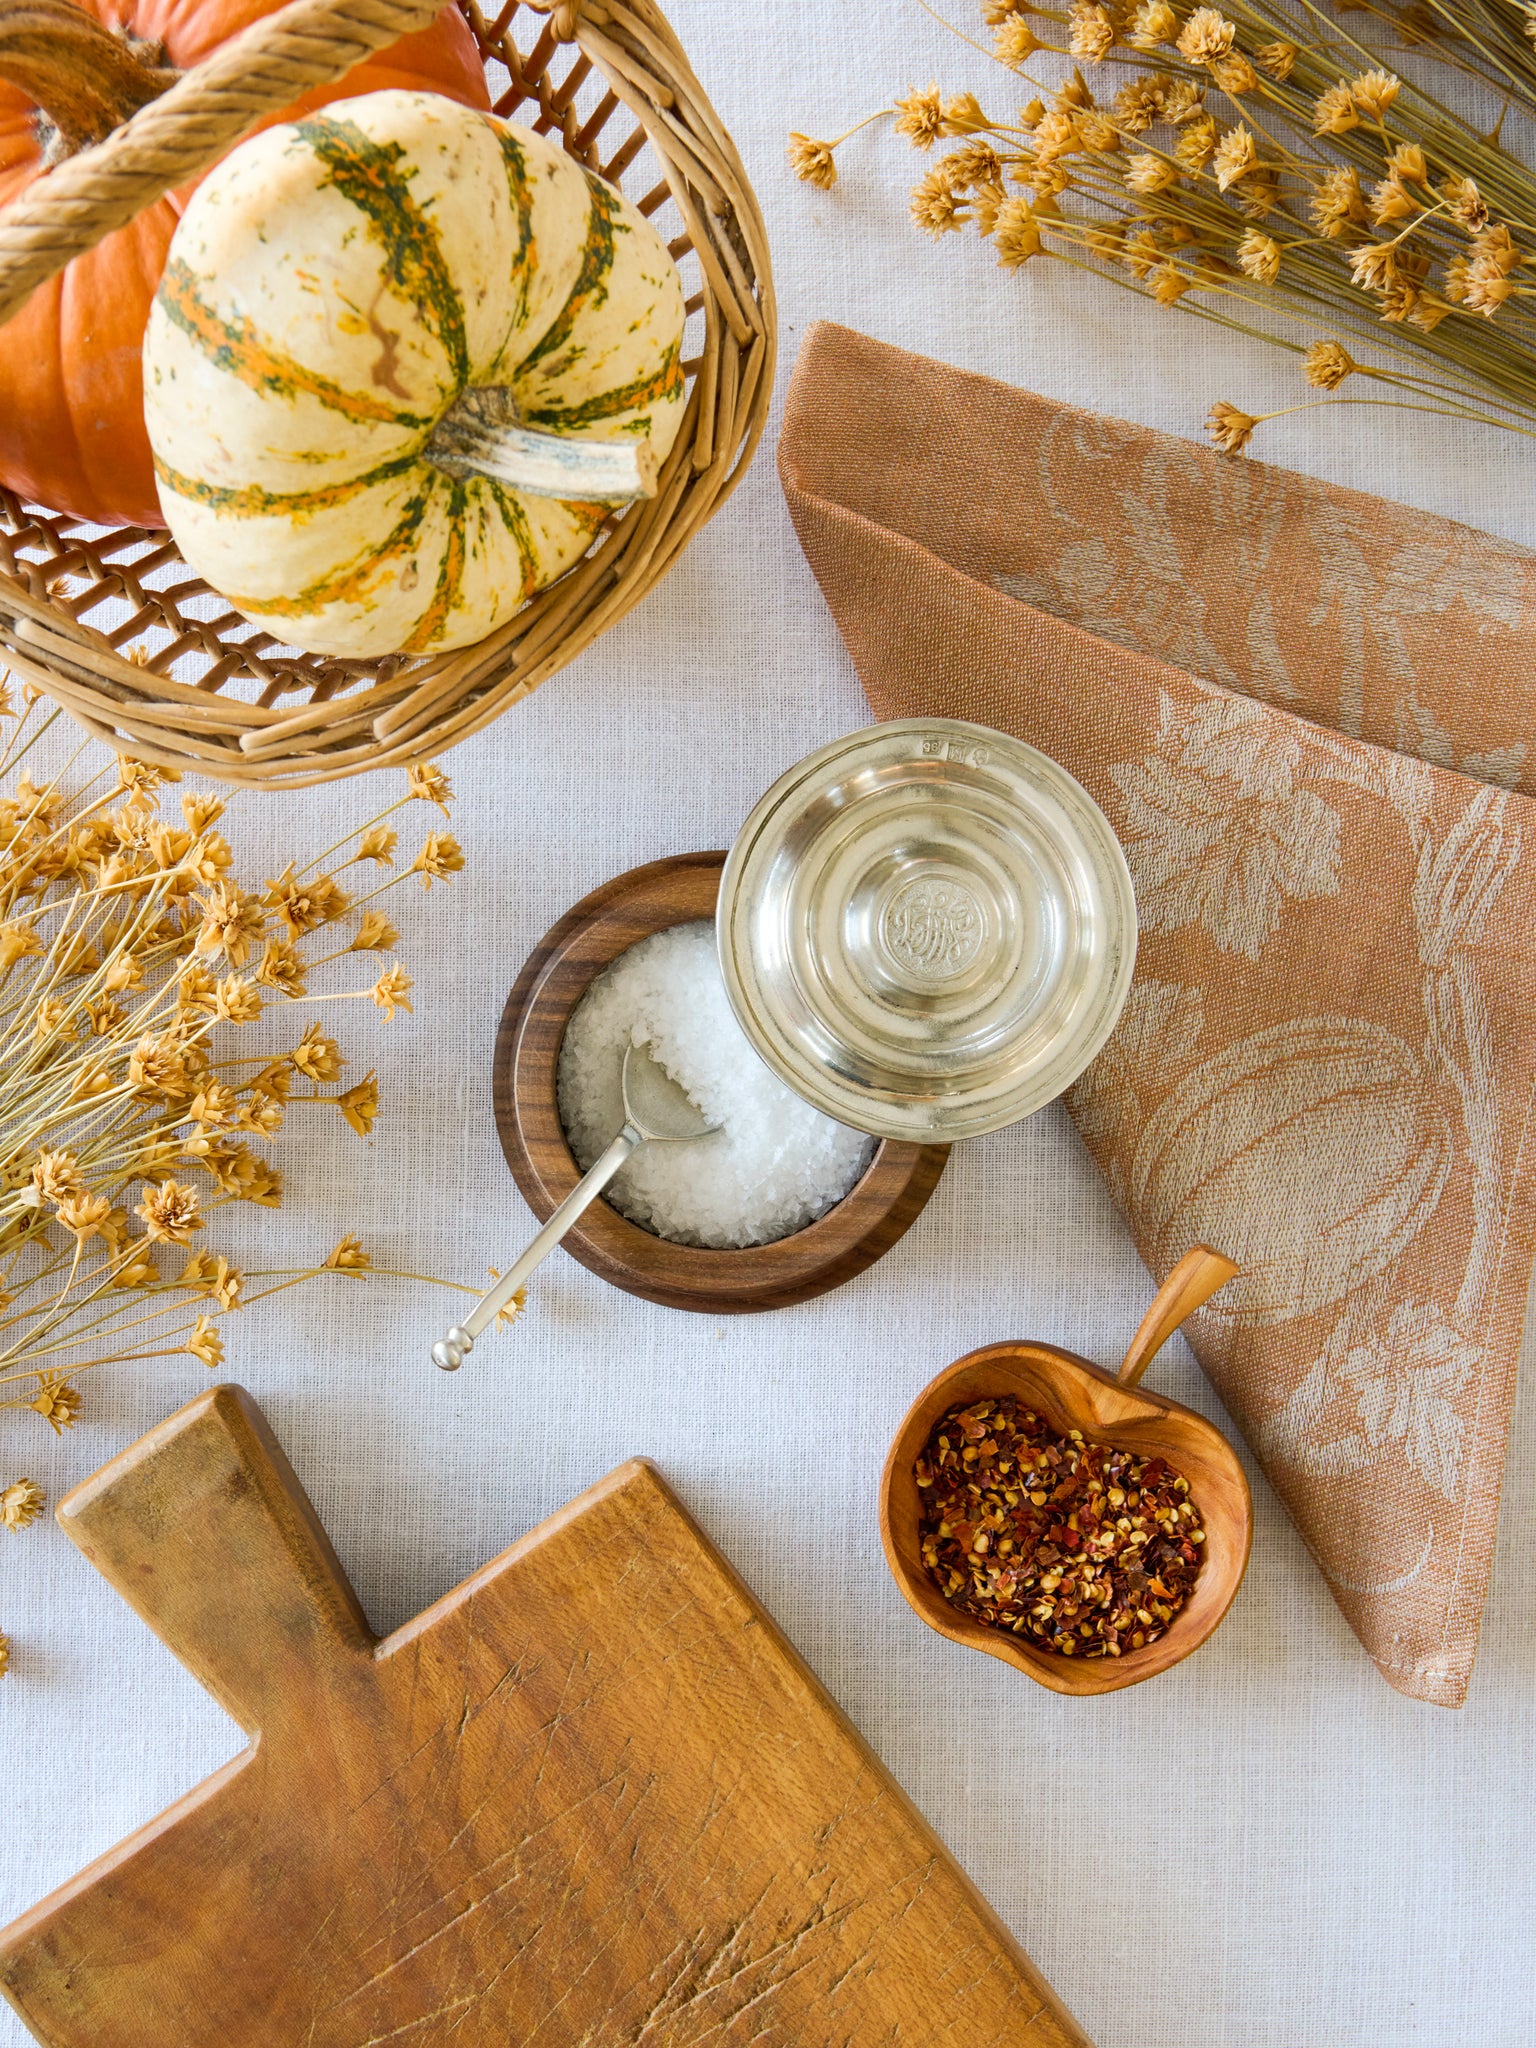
x,y
1265,1848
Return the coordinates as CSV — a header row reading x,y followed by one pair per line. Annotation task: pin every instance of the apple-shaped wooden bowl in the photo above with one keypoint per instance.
x,y
1069,1393
862,1227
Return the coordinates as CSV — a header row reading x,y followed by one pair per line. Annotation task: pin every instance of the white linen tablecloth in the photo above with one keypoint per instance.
x,y
1265,1848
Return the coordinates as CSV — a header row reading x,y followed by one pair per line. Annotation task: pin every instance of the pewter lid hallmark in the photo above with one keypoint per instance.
x,y
927,929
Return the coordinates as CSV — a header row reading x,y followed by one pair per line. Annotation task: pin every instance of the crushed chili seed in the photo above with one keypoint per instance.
x,y
1087,1550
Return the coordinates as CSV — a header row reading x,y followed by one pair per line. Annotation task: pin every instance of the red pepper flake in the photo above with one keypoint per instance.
x,y
1087,1550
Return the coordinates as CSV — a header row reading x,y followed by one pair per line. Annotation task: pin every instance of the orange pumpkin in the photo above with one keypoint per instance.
x,y
71,388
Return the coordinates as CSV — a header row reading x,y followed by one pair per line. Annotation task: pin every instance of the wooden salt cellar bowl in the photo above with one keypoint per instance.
x,y
1069,1393
875,1212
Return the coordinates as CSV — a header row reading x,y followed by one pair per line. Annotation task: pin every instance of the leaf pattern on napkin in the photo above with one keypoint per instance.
x,y
1216,829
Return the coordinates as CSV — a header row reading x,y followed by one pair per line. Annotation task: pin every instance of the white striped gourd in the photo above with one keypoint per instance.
x,y
364,310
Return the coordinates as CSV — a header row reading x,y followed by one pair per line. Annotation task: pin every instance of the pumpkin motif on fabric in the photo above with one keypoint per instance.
x,y
71,402
357,308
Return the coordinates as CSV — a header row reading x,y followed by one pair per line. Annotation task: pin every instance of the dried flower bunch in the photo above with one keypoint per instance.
x,y
130,1112
1259,165
1085,1549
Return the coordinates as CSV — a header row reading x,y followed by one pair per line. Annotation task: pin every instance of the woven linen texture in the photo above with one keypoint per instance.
x,y
1327,1062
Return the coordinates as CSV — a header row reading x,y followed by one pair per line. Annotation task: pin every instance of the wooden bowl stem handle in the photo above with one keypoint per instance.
x,y
1193,1281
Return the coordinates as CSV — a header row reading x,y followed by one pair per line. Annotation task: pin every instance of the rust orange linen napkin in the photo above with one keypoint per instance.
x,y
1305,712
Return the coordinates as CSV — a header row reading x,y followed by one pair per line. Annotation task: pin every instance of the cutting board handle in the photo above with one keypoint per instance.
x,y
203,1527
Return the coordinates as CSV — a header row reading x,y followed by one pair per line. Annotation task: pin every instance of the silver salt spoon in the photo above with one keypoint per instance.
x,y
656,1112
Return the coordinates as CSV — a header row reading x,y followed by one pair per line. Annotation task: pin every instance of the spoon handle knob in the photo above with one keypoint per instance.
x,y
450,1352
1193,1281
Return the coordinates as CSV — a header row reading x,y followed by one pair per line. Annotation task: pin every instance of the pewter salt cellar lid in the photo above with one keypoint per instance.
x,y
927,929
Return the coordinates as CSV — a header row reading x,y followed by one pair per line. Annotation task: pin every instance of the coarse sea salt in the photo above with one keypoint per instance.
x,y
775,1164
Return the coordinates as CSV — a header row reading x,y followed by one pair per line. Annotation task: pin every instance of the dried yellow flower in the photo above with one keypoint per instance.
x,y
1258,256
812,161
1236,155
1149,174
1017,234
236,1000
1098,132
378,844
1278,60
1143,252
21,1503
1486,291
206,1274
1392,201
938,209
275,1080
1091,31
1169,283
56,1401
963,115
1374,266
170,1212
263,1114
86,1214
304,905
5,1641
1468,207
987,202
1334,111
425,781
1495,252
56,1176
1374,91
18,941
1015,43
1205,35
440,857
1196,145
375,933
1429,312
205,1343
215,1105
232,923
283,967
1055,134
1142,103
52,1020
919,116
389,991
1230,429
1233,74
142,778
317,1055
1409,163
1153,23
201,810
162,1066
360,1104
349,1257
1337,203
206,862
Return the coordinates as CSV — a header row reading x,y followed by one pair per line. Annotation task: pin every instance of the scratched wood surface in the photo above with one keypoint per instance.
x,y
590,1797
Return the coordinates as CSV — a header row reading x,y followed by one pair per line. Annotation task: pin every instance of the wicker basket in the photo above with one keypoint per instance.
x,y
116,628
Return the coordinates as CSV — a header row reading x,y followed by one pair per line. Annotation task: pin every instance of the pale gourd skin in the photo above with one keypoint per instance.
x,y
332,289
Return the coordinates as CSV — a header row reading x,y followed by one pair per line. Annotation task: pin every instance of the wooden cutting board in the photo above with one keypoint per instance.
x,y
591,1797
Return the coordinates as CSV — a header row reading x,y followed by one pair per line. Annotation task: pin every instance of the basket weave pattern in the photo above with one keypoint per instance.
x,y
115,626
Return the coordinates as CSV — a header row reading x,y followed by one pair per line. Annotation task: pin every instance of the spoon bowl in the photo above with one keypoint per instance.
x,y
1070,1393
